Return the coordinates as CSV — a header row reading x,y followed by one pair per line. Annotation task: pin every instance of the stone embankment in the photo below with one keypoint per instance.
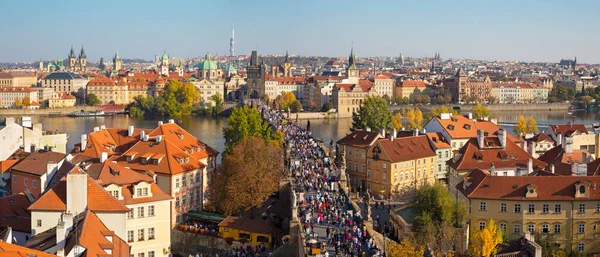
x,y
493,107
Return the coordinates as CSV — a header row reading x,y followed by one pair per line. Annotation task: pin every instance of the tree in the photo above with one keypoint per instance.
x,y
413,118
285,100
435,212
443,109
249,174
92,99
311,105
245,122
386,98
218,100
483,242
327,106
585,100
26,101
521,127
18,103
479,111
397,121
296,106
404,249
549,248
532,126
372,114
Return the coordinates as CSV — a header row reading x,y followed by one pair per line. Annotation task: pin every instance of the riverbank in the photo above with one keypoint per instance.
x,y
491,107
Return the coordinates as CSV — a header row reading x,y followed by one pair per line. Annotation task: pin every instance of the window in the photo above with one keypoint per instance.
x,y
517,207
151,254
517,229
39,223
544,228
531,228
582,207
150,210
141,234
481,225
25,181
140,254
197,177
557,228
130,236
503,226
396,177
177,201
184,181
581,228
140,212
580,247
34,183
177,183
150,233
502,207
531,208
482,206
598,207
115,193
14,178
545,208
557,208
130,213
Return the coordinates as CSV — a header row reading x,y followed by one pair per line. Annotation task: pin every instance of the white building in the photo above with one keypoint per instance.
x,y
9,96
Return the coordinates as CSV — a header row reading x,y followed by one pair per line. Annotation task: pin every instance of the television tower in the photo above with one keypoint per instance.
x,y
232,43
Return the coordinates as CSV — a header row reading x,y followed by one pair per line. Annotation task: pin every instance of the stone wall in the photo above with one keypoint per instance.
x,y
189,243
493,107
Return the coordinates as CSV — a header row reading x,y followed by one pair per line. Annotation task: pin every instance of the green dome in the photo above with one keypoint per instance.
x,y
231,68
165,57
207,64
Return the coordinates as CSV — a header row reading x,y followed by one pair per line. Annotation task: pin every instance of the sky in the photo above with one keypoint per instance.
x,y
507,30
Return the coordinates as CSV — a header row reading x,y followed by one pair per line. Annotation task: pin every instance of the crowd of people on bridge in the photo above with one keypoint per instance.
x,y
320,202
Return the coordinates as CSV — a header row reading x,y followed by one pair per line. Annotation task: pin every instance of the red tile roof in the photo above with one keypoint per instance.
x,y
406,148
12,250
36,162
174,161
101,81
413,83
438,140
17,89
359,138
568,128
184,140
14,213
548,188
459,126
561,160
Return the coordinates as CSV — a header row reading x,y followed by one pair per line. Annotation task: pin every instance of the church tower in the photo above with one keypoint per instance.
x,y
180,68
164,65
41,68
82,60
287,66
352,72
256,77
72,59
117,62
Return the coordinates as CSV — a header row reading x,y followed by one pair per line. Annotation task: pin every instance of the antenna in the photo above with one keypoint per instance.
x,y
75,221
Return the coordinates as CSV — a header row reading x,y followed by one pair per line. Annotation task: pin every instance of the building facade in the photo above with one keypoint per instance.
x,y
13,97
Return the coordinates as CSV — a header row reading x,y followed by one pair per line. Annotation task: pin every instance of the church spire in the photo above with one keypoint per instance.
x,y
72,54
286,57
82,54
352,59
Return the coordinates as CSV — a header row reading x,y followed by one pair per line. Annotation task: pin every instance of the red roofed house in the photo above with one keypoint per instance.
x,y
562,209
35,172
494,154
582,140
354,146
15,218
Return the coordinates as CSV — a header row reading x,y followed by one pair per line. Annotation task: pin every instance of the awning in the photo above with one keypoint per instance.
x,y
208,216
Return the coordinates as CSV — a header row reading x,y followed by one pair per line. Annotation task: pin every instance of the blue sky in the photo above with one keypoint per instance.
x,y
490,30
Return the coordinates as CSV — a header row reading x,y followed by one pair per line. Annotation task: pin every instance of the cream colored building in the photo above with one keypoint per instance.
x,y
384,85
582,139
17,79
564,210
409,88
65,82
10,95
109,91
354,146
398,166
61,100
347,98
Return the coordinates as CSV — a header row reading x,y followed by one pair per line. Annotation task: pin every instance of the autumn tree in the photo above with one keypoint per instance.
x,y
248,175
327,106
413,118
296,106
26,101
479,111
443,109
245,122
285,100
18,103
397,121
373,113
532,126
404,249
92,99
585,100
521,127
483,242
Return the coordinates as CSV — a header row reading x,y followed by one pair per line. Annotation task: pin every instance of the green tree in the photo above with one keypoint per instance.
x,y
532,126
26,101
248,175
585,100
521,127
435,212
372,114
479,111
92,99
218,100
386,98
245,122
327,106
296,106
136,112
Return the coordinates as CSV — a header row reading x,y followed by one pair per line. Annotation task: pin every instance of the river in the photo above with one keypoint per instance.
x,y
209,130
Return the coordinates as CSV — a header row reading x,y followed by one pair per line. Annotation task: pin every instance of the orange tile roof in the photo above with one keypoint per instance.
x,y
471,157
168,165
14,212
101,81
561,160
17,89
157,195
7,164
406,148
13,250
110,172
111,141
413,83
184,140
459,126
438,140
568,128
548,188
99,200
359,138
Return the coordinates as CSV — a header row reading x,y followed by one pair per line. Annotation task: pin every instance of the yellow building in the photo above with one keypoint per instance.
x,y
355,146
564,210
398,166
347,98
61,100
253,232
410,88
17,79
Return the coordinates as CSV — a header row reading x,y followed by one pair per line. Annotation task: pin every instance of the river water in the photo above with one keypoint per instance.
x,y
210,130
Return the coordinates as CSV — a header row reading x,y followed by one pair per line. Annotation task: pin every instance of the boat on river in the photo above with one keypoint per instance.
x,y
89,114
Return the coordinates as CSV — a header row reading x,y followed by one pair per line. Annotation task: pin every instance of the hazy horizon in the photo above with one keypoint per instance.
x,y
523,31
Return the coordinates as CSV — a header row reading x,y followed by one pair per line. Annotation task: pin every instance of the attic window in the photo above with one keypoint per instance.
x,y
512,156
451,127
490,144
479,156
180,160
454,119
467,126
156,161
144,161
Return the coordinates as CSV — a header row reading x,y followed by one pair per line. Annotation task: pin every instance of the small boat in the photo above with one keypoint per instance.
x,y
89,114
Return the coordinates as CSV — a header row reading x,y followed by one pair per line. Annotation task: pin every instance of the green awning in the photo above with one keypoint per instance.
x,y
209,216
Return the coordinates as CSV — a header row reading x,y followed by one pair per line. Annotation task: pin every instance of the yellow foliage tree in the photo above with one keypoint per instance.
x,y
26,101
483,242
18,103
285,100
532,126
521,127
403,249
397,121
443,109
413,117
479,111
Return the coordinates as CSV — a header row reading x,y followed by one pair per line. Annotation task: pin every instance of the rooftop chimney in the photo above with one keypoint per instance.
x,y
393,135
83,142
158,139
470,115
415,132
568,144
103,157
130,130
480,138
160,122
368,129
76,192
424,131
502,137
383,132
142,134
559,140
171,121
32,148
584,158
146,137
102,127
96,129
531,149
445,116
552,168
529,166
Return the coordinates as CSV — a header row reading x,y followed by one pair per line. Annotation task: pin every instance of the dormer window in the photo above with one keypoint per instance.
x,y
467,126
451,127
